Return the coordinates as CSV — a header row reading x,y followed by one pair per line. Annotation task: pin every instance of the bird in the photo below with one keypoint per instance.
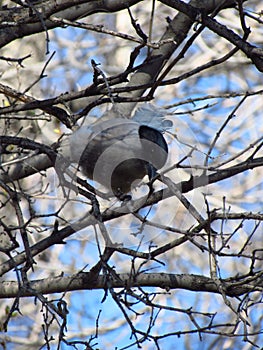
x,y
118,152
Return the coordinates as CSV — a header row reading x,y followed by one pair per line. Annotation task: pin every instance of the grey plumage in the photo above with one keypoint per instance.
x,y
116,152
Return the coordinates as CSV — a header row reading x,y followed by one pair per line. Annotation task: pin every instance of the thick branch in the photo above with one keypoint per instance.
x,y
19,22
85,281
175,34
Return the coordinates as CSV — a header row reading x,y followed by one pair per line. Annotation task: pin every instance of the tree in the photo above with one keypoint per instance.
x,y
180,265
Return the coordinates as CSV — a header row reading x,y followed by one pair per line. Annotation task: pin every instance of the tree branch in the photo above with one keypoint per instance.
x,y
20,21
201,16
184,186
86,281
